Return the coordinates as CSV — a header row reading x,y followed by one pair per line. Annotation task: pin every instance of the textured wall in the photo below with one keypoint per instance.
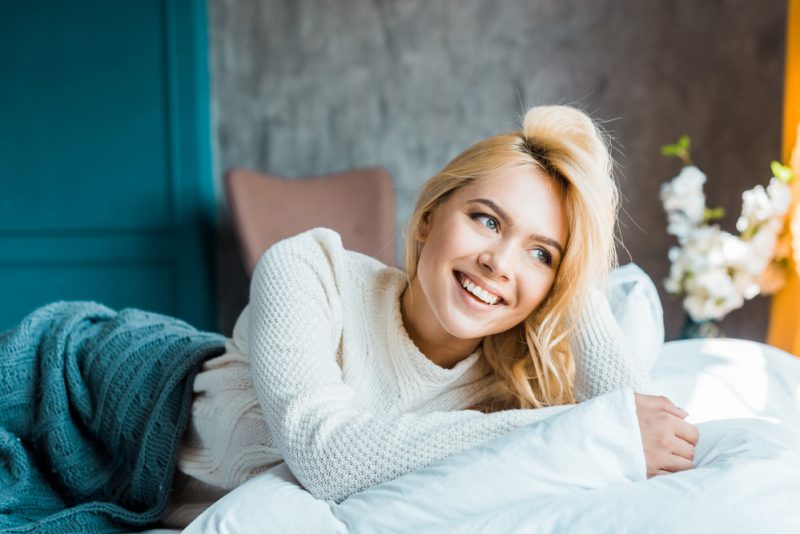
x,y
307,87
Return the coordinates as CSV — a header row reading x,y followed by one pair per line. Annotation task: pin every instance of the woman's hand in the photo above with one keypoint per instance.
x,y
667,439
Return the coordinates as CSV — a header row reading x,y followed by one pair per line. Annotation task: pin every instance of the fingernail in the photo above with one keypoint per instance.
x,y
683,412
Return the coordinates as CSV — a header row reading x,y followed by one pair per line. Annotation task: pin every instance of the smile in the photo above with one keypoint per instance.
x,y
480,293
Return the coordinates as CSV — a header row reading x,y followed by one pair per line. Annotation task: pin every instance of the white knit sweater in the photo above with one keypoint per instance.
x,y
321,373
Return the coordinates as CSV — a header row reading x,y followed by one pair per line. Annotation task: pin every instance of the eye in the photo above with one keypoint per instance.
x,y
542,255
487,221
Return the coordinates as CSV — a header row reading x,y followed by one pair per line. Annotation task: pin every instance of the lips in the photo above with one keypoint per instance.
x,y
477,290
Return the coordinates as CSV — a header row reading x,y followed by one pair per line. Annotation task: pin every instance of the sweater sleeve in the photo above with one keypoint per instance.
x,y
603,359
331,446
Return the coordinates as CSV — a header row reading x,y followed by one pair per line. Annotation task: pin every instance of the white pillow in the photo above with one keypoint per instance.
x,y
272,501
634,302
591,445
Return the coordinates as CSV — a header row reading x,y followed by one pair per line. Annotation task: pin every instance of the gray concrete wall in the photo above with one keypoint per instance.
x,y
309,87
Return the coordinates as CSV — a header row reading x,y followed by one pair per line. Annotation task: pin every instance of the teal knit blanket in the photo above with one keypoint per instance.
x,y
92,407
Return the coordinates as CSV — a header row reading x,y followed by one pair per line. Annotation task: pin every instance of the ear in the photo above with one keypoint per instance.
x,y
424,228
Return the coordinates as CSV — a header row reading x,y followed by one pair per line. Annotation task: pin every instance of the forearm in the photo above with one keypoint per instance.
x,y
603,359
343,452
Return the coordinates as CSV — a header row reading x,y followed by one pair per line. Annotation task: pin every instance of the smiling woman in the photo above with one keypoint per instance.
x,y
355,373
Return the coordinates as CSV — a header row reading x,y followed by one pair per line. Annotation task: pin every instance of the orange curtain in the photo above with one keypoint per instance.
x,y
784,325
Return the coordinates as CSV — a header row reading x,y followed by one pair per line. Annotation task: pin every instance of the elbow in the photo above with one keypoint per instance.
x,y
322,476
324,488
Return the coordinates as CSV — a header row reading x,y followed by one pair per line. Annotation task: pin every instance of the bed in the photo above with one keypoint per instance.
x,y
582,473
582,470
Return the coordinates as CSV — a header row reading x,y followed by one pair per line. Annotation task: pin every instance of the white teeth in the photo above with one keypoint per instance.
x,y
476,290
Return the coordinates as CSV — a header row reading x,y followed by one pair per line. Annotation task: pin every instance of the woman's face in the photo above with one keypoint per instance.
x,y
491,251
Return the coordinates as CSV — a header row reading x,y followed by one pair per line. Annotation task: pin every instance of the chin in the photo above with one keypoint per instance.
x,y
462,328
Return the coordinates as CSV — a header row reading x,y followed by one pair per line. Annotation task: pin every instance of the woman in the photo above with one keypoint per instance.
x,y
354,373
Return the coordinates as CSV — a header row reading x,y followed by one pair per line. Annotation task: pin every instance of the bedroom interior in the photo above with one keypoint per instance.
x,y
138,143
300,90
256,91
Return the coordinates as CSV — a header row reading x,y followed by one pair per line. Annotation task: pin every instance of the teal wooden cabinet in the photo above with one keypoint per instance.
x,y
106,190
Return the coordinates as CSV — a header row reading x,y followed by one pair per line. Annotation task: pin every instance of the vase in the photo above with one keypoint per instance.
x,y
701,329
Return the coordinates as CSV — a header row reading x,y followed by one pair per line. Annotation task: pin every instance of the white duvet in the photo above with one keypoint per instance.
x,y
582,470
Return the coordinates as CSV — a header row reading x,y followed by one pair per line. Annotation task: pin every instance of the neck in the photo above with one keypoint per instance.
x,y
427,333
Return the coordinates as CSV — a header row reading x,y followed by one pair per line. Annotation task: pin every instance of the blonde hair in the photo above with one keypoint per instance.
x,y
532,363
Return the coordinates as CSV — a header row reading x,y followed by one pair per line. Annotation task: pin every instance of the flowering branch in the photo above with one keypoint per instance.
x,y
715,270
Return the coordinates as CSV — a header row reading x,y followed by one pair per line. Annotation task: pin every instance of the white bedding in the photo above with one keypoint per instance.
x,y
582,470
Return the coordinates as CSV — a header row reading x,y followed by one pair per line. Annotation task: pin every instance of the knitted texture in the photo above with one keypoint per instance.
x,y
92,406
604,361
347,398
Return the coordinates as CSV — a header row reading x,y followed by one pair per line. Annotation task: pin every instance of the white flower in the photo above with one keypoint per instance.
x,y
678,270
717,271
763,246
781,195
745,284
756,207
761,205
735,251
684,201
711,295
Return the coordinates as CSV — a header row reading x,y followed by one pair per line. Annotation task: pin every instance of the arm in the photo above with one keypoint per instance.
x,y
603,359
332,447
604,362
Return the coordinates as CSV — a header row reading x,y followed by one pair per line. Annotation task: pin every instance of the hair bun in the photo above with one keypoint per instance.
x,y
564,129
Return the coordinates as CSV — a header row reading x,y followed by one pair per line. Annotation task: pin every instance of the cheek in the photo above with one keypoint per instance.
x,y
427,270
445,243
535,291
449,238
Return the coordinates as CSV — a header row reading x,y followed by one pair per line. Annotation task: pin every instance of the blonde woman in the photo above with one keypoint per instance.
x,y
355,373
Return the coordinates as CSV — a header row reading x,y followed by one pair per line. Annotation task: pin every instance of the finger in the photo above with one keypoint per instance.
x,y
668,406
661,472
687,432
674,410
676,464
683,449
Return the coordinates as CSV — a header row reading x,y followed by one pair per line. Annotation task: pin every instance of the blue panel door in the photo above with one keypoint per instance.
x,y
105,169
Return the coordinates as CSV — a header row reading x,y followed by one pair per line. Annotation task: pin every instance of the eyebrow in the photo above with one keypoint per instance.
x,y
509,221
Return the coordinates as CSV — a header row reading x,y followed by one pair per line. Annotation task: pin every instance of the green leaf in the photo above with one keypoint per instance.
x,y
749,233
781,172
679,149
713,214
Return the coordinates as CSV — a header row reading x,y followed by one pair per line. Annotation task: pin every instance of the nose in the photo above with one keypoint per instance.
x,y
497,261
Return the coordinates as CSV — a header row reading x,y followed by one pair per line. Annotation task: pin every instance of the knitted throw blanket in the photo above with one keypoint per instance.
x,y
92,407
